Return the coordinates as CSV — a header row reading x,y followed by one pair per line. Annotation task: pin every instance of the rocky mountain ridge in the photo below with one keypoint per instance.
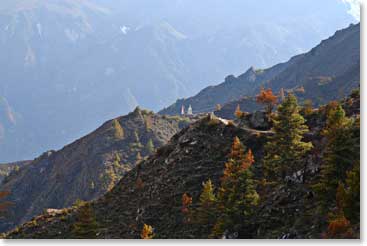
x,y
330,71
88,167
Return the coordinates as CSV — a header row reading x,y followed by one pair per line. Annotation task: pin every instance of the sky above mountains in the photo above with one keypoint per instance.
x,y
354,8
67,66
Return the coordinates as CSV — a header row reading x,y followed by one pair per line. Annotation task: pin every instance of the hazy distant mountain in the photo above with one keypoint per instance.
x,y
327,72
67,65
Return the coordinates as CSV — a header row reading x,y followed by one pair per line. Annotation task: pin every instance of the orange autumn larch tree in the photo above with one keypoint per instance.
x,y
237,196
147,232
237,151
339,228
186,203
267,98
185,209
238,113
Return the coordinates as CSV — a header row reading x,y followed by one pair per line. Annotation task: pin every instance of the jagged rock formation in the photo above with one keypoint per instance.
x,y
88,167
328,72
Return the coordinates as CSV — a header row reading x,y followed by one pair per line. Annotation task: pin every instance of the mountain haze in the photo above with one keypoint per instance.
x,y
66,66
327,72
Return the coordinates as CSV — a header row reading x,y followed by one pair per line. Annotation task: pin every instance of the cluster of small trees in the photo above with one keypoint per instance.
x,y
224,213
338,189
227,210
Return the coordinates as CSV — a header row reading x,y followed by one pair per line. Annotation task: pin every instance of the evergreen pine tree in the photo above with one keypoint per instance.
x,y
342,150
237,195
351,206
150,146
229,212
285,150
86,226
348,195
119,131
206,213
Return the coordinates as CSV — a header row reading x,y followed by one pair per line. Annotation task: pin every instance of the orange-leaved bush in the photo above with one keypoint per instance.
x,y
147,232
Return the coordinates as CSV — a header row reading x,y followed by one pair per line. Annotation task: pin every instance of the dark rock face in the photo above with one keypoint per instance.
x,y
257,120
330,71
87,168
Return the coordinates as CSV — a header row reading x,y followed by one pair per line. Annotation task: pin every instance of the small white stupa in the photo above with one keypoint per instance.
x,y
189,110
183,110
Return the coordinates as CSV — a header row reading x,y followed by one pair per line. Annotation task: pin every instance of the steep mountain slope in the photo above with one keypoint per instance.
x,y
66,65
151,192
6,169
192,156
327,72
88,167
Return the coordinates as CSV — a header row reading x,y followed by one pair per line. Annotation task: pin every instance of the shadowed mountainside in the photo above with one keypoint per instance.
x,y
88,167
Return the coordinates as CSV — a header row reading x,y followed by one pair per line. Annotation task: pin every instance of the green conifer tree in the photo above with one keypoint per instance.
x,y
86,226
119,131
348,195
351,205
150,146
237,194
206,213
285,151
342,150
